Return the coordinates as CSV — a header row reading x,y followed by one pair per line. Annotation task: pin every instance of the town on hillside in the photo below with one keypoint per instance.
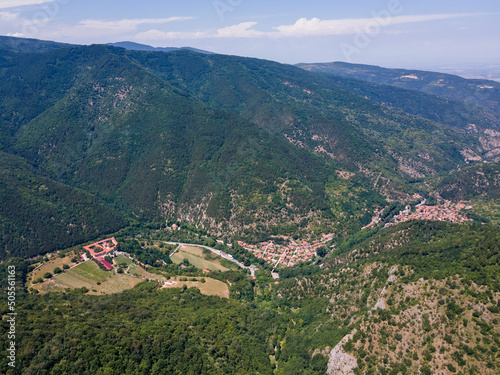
x,y
448,211
286,255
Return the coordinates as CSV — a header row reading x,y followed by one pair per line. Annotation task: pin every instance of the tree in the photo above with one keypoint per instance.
x,y
47,275
322,251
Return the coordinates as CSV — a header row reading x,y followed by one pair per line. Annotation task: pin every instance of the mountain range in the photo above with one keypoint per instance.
x,y
239,146
127,140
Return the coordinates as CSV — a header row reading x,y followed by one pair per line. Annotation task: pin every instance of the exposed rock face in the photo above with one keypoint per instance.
x,y
380,305
470,155
341,363
392,279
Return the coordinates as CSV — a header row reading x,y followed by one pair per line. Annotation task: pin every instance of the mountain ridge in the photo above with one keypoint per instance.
x,y
132,46
234,145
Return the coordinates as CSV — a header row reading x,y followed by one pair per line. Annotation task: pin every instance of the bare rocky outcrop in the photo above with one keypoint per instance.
x,y
341,363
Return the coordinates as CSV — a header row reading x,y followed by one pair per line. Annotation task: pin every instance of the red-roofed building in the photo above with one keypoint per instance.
x,y
105,263
102,248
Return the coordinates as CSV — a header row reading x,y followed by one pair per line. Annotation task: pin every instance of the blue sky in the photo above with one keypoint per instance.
x,y
394,33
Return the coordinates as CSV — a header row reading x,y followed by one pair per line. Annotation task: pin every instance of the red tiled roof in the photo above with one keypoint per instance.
x,y
102,247
105,263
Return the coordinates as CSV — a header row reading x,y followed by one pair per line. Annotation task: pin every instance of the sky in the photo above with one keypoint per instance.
x,y
391,33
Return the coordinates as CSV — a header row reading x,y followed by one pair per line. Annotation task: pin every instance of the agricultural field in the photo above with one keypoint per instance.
x,y
142,273
54,261
197,258
121,259
210,287
116,284
86,275
90,270
89,275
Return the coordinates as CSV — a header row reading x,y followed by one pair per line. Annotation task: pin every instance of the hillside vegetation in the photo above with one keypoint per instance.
x,y
421,297
232,145
32,203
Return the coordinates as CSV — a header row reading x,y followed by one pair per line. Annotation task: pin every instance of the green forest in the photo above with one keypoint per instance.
x,y
155,147
231,145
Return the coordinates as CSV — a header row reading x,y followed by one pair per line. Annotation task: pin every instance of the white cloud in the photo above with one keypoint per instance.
x,y
19,3
301,28
127,24
17,35
242,30
317,27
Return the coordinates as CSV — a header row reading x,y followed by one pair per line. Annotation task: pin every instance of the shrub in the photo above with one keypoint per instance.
x,y
451,367
494,309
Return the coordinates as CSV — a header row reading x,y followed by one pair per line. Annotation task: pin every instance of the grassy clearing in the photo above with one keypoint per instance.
x,y
210,287
90,270
196,257
121,259
49,286
73,280
49,266
141,272
116,284
89,274
134,270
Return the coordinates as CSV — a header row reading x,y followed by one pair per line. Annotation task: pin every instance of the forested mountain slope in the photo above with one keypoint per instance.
x,y
115,130
38,214
483,95
235,145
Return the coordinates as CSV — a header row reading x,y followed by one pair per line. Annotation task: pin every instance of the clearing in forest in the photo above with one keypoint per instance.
x,y
200,259
210,287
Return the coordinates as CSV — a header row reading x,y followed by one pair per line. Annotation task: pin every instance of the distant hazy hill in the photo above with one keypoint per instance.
x,y
473,92
143,47
29,45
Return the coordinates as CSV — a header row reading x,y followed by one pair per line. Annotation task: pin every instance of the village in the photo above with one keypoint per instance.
x,y
448,211
286,255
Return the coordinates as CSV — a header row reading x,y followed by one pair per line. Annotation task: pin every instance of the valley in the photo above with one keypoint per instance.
x,y
184,212
75,271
